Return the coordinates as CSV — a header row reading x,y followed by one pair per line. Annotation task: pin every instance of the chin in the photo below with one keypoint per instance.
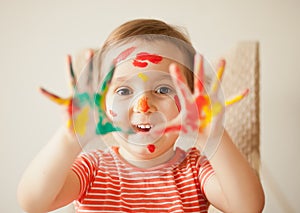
x,y
144,146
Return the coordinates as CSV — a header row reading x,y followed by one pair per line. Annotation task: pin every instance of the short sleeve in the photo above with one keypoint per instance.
x,y
205,172
85,168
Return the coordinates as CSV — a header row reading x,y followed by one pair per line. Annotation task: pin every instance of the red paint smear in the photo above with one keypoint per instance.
x,y
72,108
199,84
112,113
151,148
51,95
139,64
175,128
153,58
143,105
202,101
177,102
142,58
246,92
123,55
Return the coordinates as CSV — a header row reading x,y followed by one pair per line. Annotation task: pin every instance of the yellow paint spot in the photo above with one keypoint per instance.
x,y
237,98
143,77
81,120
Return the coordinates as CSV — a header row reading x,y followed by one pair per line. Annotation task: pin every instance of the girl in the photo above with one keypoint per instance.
x,y
147,99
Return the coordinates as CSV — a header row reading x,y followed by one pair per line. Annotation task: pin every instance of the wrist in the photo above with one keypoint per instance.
x,y
68,139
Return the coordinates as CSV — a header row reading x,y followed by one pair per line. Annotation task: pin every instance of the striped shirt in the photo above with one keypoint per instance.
x,y
108,184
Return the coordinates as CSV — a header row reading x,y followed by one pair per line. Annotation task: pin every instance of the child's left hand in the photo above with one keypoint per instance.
x,y
202,111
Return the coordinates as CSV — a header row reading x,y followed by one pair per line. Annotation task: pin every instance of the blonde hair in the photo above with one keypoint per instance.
x,y
139,27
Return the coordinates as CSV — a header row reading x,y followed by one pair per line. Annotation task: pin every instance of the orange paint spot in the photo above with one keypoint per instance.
x,y
143,104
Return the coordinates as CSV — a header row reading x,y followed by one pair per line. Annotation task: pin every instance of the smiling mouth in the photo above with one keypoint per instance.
x,y
142,127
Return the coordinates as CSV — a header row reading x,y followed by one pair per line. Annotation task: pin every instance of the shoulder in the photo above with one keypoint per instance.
x,y
94,157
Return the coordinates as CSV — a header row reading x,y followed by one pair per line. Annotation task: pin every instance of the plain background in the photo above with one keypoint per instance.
x,y
37,35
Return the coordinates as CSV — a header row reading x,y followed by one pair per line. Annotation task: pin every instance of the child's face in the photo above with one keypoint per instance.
x,y
140,97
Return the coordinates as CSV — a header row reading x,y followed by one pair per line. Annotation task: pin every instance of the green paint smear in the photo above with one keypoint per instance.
x,y
107,79
103,128
83,99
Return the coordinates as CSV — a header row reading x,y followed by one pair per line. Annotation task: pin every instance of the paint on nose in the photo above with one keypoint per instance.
x,y
143,104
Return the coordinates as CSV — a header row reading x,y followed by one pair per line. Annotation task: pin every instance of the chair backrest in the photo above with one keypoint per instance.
x,y
242,119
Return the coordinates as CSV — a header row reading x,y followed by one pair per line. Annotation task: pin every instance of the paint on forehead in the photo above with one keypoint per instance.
x,y
143,58
123,55
143,77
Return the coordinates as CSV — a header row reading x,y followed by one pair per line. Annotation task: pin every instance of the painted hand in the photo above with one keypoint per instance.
x,y
202,111
86,118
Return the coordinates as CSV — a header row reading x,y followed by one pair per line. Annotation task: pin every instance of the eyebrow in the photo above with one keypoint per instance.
x,y
125,77
120,79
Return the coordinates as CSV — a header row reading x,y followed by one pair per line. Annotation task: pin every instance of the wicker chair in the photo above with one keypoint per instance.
x,y
242,119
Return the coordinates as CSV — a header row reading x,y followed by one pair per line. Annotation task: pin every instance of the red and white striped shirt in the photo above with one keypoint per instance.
x,y
108,184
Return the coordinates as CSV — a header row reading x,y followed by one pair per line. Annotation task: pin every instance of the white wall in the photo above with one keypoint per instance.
x,y
36,36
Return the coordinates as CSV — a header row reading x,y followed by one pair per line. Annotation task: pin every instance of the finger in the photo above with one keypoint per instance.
x,y
218,80
55,98
90,55
71,71
181,88
106,81
85,77
237,98
104,88
198,74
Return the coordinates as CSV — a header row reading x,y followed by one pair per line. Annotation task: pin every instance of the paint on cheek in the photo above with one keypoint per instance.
x,y
177,102
151,148
143,77
143,58
143,104
112,113
123,55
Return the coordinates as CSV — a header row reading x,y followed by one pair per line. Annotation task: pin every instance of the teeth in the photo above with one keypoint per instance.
x,y
144,126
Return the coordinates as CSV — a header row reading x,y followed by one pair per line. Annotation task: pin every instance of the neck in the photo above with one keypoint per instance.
x,y
145,164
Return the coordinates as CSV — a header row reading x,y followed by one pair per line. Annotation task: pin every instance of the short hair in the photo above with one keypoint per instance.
x,y
140,27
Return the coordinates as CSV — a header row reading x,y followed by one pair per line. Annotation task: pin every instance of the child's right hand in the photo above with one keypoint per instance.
x,y
86,118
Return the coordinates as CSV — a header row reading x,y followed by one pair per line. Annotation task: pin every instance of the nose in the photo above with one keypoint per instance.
x,y
144,105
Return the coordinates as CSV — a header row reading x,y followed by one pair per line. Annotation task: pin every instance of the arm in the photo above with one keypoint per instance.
x,y
235,186
235,182
49,183
45,182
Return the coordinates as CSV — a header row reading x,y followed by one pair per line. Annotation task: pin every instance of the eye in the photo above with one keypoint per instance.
x,y
163,90
124,91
